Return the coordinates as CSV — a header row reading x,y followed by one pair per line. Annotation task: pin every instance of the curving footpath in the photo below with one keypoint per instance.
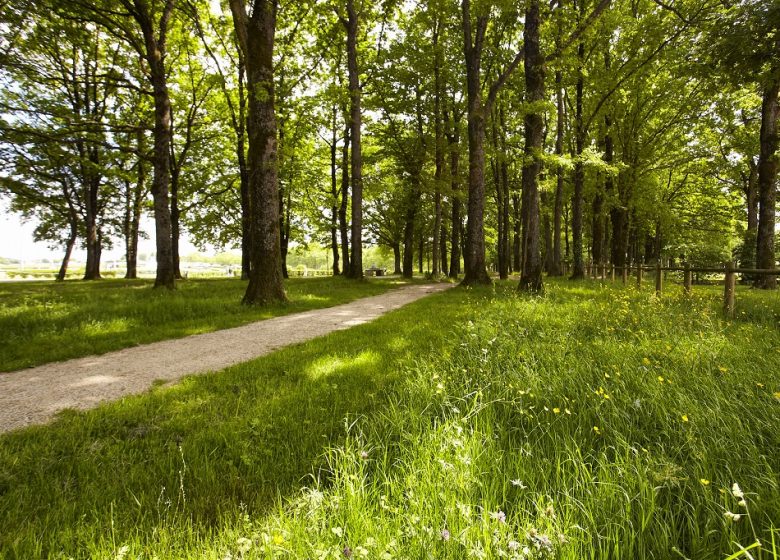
x,y
35,395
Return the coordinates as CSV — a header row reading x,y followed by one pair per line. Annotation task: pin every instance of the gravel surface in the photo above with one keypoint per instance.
x,y
35,395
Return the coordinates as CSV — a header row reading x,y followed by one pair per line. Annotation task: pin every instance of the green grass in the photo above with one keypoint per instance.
x,y
593,422
50,321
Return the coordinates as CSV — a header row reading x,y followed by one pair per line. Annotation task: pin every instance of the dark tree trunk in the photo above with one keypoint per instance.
x,y
155,58
334,195
411,211
767,180
516,243
420,255
439,153
175,228
578,271
474,256
531,276
69,243
256,38
246,221
397,259
548,243
356,260
343,207
495,167
443,250
453,144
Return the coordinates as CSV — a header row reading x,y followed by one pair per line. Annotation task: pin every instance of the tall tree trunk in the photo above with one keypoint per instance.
x,y
397,258
420,255
495,166
343,224
579,169
175,227
548,243
334,194
71,241
155,58
443,250
517,256
531,276
256,37
409,222
506,261
767,180
474,256
453,145
246,218
356,260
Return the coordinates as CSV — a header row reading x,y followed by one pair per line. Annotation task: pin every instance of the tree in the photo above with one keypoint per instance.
x,y
256,33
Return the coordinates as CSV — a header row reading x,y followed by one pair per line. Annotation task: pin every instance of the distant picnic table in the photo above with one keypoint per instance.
x,y
375,271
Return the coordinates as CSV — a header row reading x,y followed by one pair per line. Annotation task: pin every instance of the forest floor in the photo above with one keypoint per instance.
x,y
35,395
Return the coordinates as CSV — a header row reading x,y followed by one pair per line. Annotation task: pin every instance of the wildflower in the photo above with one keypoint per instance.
x,y
513,545
660,379
737,492
723,369
361,552
338,531
499,516
278,539
557,410
347,552
742,503
364,455
445,535
567,411
777,395
684,417
532,533
704,481
646,361
549,511
732,516
562,538
244,544
596,429
519,483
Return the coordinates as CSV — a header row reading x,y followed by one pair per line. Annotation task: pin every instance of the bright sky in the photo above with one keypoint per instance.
x,y
16,241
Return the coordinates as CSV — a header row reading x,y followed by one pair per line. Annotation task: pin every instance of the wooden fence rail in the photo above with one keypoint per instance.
x,y
729,270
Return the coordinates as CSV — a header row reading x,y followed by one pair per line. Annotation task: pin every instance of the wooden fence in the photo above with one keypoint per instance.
x,y
729,270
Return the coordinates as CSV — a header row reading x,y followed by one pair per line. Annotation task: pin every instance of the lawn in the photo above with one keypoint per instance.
x,y
593,422
49,321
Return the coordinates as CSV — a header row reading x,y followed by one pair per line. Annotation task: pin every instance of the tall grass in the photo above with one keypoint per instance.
x,y
48,321
593,422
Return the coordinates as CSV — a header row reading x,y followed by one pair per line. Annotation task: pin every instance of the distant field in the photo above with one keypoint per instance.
x,y
48,321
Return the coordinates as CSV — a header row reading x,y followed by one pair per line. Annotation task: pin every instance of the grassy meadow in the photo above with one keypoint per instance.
x,y
49,321
592,422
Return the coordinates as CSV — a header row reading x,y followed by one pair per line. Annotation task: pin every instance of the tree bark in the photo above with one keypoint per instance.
x,y
334,194
397,259
134,197
578,271
356,260
155,58
517,256
343,224
256,36
767,179
474,256
531,276
453,145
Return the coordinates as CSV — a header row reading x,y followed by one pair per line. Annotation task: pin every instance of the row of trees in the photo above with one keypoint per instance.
x,y
515,136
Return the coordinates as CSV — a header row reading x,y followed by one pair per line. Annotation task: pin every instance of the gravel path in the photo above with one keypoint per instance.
x,y
35,395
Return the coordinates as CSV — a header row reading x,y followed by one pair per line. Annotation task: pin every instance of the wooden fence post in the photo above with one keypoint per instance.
x,y
659,278
688,279
730,285
639,276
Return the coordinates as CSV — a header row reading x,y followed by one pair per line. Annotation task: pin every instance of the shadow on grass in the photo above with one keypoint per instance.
x,y
196,454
